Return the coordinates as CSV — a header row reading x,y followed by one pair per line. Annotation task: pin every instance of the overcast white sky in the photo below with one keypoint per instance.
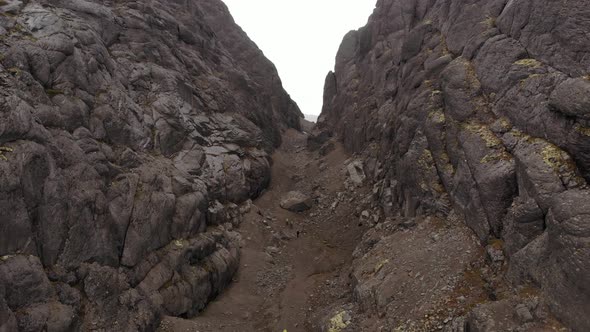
x,y
301,37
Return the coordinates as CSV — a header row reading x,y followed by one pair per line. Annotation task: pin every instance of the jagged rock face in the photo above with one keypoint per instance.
x,y
121,123
481,106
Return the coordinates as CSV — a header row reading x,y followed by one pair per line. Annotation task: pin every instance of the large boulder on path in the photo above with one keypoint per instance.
x,y
296,201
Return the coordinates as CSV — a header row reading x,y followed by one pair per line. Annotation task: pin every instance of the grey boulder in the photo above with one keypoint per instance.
x,y
296,201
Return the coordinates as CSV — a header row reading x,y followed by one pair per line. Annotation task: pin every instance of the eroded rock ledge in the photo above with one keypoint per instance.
x,y
482,107
129,130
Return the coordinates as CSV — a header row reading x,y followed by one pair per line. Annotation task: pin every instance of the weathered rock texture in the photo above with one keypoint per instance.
x,y
129,130
481,106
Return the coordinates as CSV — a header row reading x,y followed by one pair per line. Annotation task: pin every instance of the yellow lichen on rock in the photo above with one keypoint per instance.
x,y
489,22
14,70
448,166
491,140
339,322
437,116
4,149
528,63
426,161
582,130
496,156
380,265
505,124
6,257
555,157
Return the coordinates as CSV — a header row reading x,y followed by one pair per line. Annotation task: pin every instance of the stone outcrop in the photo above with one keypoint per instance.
x,y
129,132
482,107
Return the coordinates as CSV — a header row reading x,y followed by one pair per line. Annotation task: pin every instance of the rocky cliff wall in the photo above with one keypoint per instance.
x,y
129,131
482,107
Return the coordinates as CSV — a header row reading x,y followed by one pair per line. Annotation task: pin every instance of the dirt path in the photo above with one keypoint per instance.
x,y
284,278
416,274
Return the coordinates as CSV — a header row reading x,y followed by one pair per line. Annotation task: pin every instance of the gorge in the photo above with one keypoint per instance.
x,y
156,176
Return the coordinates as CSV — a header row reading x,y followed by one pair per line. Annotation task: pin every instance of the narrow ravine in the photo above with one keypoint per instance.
x,y
445,186
343,266
284,278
